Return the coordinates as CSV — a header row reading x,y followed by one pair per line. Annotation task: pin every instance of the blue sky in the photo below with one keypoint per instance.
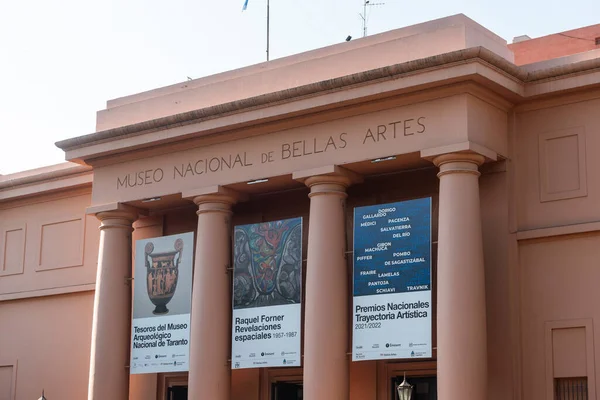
x,y
61,60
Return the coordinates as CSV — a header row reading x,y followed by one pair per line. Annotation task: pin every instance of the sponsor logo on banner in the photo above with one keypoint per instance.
x,y
392,281
161,304
267,294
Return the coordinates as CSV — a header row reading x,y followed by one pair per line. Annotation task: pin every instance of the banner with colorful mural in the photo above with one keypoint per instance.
x,y
162,299
267,294
392,281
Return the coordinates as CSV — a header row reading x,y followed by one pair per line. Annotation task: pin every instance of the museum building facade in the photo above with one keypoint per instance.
x,y
500,138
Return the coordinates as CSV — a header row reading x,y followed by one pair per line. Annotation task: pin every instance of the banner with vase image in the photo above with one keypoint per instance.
x,y
162,298
267,294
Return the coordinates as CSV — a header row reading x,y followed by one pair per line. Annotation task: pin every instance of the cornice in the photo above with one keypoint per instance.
x,y
8,182
388,72
518,74
45,180
10,202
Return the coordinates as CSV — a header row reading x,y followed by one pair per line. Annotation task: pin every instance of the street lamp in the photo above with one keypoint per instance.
x,y
404,390
43,397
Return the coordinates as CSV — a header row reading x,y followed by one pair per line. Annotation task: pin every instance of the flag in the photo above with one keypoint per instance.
x,y
245,5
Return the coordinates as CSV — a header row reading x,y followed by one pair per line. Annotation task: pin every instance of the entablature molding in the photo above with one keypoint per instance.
x,y
38,198
229,128
592,227
116,209
473,64
44,181
334,171
55,291
452,123
464,147
280,115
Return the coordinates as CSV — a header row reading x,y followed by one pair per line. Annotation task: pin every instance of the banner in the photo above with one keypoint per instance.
x,y
392,281
267,294
162,299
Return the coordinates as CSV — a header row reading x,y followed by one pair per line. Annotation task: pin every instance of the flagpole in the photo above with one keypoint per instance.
x,y
268,23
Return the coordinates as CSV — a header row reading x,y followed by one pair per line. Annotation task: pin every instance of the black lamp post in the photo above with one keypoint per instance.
x,y
404,390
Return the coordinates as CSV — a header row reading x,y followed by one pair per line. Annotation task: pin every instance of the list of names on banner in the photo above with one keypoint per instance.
x,y
392,281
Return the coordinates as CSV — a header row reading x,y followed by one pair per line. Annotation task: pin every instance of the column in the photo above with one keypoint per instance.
x,y
209,376
111,326
326,298
461,305
144,386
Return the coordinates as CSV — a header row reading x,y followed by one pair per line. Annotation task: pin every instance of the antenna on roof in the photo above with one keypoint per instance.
x,y
364,14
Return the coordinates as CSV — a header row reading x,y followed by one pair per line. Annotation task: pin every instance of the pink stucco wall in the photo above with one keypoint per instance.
x,y
539,191
47,340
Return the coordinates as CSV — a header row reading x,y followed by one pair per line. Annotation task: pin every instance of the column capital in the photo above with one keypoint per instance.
x,y
459,163
115,215
214,198
329,179
148,221
467,147
474,158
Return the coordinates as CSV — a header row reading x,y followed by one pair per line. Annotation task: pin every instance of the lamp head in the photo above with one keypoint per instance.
x,y
404,390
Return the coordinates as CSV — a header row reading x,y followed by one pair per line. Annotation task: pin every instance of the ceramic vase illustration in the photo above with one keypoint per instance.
x,y
162,271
